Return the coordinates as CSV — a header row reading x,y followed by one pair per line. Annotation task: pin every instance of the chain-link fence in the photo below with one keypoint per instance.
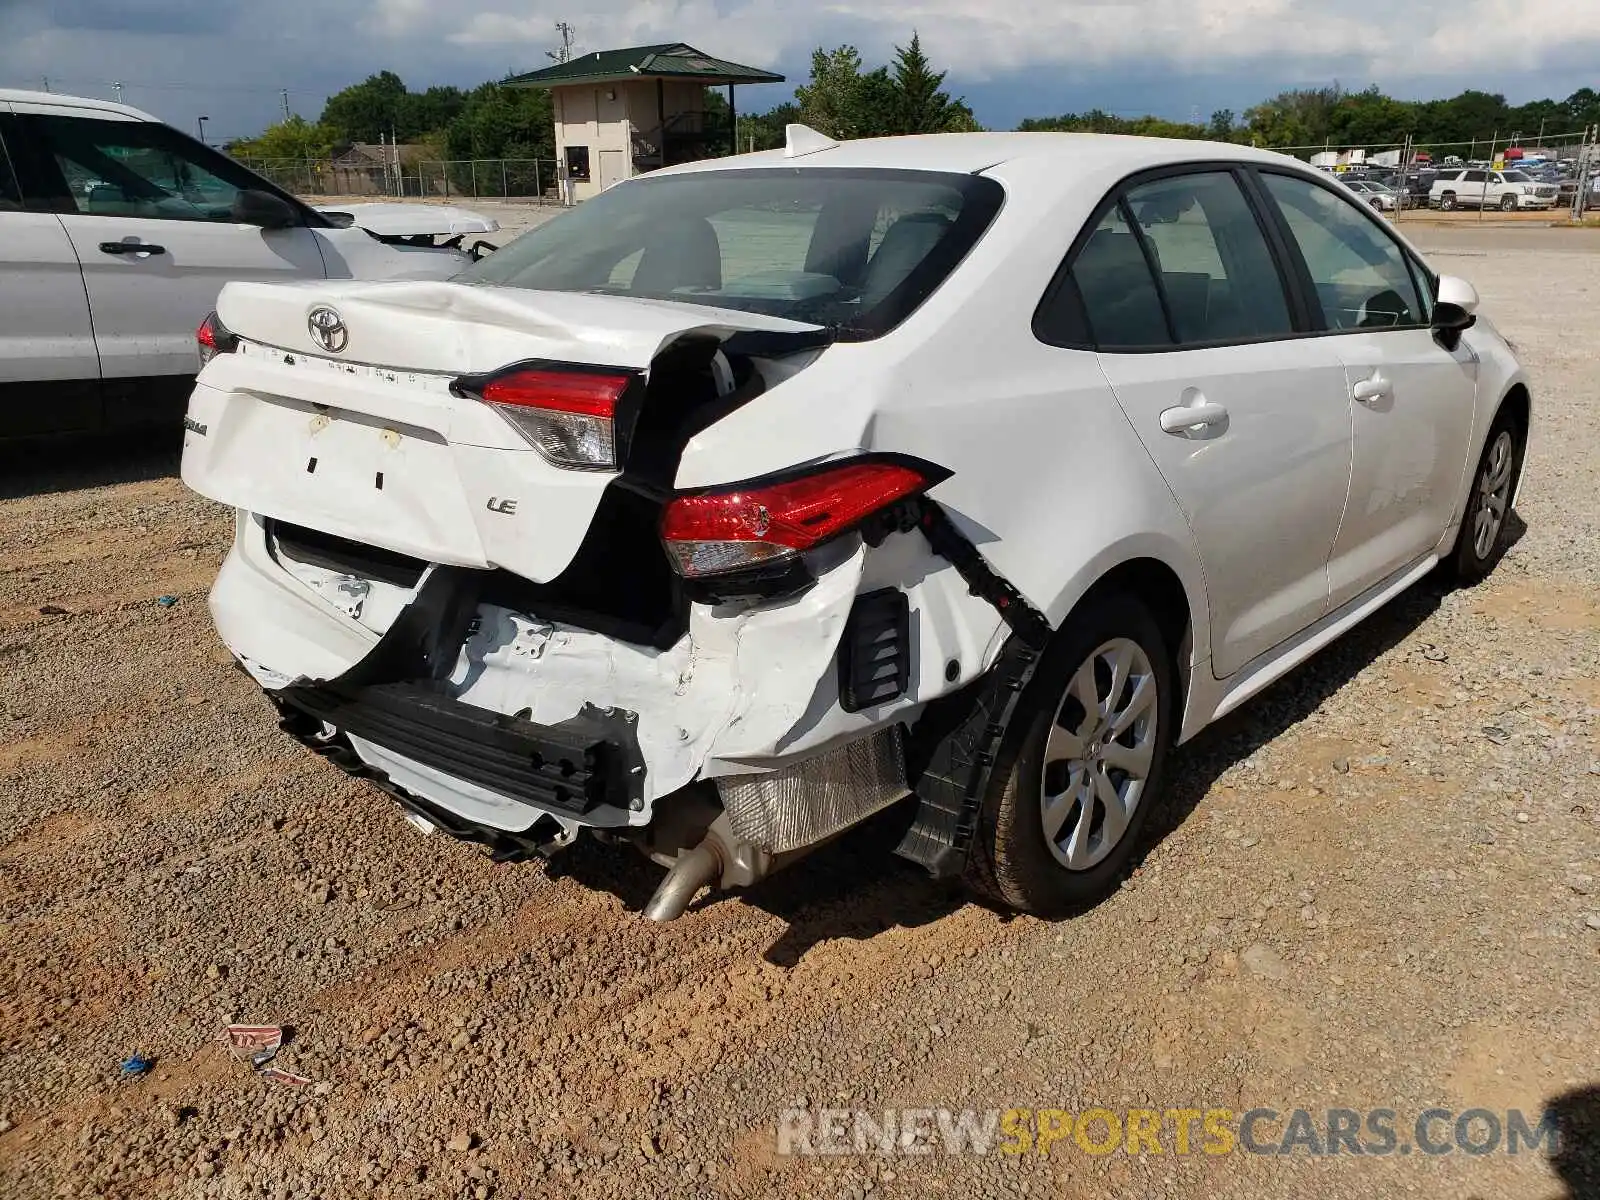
x,y
532,179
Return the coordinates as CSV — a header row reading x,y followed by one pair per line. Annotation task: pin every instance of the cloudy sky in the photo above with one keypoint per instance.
x,y
227,59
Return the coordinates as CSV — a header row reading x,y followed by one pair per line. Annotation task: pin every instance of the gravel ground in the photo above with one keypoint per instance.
x,y
1374,887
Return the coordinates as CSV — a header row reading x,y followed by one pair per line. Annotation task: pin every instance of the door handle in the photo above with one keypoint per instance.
x,y
131,248
1192,416
1376,388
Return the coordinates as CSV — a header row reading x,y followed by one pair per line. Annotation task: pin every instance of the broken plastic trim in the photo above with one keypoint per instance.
x,y
959,767
395,698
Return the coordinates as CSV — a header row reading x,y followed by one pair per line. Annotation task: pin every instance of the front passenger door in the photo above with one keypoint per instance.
x,y
1413,401
1192,319
149,213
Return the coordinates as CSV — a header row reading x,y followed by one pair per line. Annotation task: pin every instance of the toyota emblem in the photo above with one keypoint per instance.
x,y
327,329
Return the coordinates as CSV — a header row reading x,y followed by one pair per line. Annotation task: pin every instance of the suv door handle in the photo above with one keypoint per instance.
x,y
1376,388
1192,416
131,248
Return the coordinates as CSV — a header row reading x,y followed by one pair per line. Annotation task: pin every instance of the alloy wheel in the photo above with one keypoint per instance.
x,y
1099,753
1494,494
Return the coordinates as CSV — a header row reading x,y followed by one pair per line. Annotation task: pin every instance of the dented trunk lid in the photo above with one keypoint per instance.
x,y
372,443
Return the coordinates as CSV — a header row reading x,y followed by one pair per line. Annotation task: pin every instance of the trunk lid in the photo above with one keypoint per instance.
x,y
371,443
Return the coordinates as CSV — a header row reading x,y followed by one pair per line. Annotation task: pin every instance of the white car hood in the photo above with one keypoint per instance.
x,y
414,220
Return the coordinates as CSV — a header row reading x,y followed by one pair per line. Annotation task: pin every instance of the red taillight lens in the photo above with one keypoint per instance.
x,y
567,416
712,533
213,338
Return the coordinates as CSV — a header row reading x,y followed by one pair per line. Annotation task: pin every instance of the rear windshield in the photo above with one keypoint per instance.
x,y
854,250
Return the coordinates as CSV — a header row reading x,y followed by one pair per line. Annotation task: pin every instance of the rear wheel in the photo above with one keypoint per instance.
x,y
1092,735
1482,541
1508,203
1448,201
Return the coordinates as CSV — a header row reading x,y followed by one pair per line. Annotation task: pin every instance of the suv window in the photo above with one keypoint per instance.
x,y
132,169
1474,176
10,194
1359,272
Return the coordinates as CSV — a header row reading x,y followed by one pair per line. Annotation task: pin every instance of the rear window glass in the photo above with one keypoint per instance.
x,y
854,250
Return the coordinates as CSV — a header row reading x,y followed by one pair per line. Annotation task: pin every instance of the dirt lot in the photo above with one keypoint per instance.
x,y
1375,887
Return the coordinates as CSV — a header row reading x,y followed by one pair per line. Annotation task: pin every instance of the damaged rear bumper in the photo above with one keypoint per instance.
x,y
517,732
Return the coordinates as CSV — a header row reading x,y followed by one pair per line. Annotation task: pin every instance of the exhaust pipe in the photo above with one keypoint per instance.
x,y
693,871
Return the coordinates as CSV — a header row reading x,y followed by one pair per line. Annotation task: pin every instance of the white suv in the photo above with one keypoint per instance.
x,y
116,234
754,496
1505,190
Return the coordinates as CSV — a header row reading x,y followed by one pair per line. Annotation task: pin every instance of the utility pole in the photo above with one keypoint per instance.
x,y
283,95
202,124
565,53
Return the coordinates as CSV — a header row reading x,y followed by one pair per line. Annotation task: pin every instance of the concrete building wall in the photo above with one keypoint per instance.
x,y
604,119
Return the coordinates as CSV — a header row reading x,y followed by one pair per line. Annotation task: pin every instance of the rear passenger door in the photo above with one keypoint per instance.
x,y
49,370
1247,419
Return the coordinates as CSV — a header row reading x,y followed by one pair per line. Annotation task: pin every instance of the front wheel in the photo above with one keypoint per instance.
x,y
1508,204
1482,541
1091,736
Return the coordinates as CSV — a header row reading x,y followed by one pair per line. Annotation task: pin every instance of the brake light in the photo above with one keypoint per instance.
x,y
568,416
731,529
214,338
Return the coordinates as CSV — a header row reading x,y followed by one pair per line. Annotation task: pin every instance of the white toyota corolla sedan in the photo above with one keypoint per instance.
x,y
756,496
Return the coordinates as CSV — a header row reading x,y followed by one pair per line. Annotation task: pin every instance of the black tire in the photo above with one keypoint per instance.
x,y
1508,203
1448,202
1011,863
1468,561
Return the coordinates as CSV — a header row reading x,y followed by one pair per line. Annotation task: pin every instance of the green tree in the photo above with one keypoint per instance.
x,y
831,101
366,111
496,120
421,113
294,138
922,104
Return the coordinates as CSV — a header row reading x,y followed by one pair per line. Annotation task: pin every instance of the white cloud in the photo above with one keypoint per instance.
x,y
979,38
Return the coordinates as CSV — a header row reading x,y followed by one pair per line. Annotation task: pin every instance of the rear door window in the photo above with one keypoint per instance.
x,y
1176,262
1215,267
1360,273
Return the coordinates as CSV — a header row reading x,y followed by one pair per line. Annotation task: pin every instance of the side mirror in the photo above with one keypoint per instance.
x,y
264,209
1454,310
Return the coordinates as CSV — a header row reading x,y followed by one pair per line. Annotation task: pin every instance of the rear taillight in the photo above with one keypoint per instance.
x,y
567,415
723,530
214,338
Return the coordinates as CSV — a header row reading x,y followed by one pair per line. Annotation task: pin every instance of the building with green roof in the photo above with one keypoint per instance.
x,y
620,113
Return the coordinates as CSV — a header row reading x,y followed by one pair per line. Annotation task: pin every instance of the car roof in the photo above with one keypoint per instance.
x,y
972,153
35,100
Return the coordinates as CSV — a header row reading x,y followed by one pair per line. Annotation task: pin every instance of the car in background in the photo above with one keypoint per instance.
x,y
1475,187
1379,196
116,234
758,495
